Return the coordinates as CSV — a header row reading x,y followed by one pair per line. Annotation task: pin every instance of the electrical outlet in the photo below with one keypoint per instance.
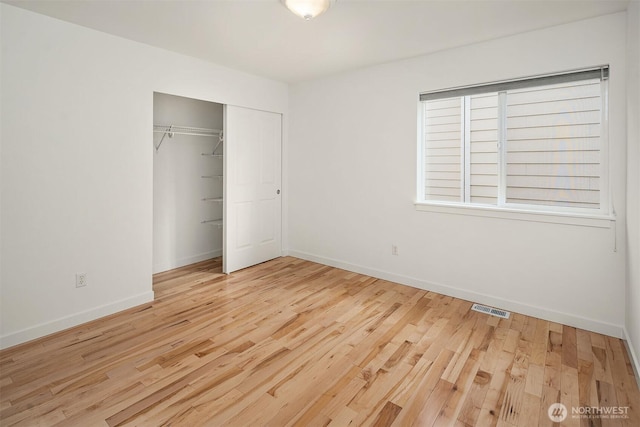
x,y
81,280
394,250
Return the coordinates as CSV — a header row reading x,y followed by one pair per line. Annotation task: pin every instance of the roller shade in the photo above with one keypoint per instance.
x,y
601,73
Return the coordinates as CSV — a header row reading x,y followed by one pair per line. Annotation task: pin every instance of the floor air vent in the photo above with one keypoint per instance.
x,y
490,310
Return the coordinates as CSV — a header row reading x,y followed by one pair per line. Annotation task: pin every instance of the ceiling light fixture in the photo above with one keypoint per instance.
x,y
308,9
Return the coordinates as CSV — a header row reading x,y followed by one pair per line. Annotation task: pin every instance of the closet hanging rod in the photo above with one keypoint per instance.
x,y
184,130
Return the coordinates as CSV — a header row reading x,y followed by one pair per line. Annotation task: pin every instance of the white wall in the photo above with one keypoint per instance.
x,y
352,179
633,183
179,237
77,165
1,186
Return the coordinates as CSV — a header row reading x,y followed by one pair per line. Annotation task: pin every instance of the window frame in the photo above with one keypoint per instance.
x,y
601,217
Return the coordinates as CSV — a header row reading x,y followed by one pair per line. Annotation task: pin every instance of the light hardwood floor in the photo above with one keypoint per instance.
x,y
290,342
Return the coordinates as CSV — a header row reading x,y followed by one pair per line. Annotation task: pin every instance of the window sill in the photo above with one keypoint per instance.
x,y
598,221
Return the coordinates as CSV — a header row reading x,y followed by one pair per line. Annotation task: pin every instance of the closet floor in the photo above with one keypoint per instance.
x,y
291,342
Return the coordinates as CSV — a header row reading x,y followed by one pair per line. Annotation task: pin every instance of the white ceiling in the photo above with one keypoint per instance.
x,y
262,37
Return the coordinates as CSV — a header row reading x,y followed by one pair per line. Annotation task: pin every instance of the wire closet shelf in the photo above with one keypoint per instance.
x,y
171,130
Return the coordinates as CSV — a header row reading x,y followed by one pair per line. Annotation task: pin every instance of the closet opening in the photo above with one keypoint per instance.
x,y
188,182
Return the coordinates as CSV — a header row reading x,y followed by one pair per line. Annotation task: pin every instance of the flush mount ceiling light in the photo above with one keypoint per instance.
x,y
308,9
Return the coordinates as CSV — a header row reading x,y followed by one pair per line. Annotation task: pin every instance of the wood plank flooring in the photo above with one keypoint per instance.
x,y
294,343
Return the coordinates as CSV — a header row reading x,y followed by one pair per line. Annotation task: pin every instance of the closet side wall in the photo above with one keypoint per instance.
x,y
179,236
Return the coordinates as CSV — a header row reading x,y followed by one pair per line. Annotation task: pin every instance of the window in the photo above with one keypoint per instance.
x,y
537,144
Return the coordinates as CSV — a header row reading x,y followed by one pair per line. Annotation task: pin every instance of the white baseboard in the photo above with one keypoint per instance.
x,y
635,362
181,262
505,304
70,321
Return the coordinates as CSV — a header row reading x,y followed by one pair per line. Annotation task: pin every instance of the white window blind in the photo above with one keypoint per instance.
x,y
536,143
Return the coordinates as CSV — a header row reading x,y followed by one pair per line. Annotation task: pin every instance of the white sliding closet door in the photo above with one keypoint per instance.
x,y
253,211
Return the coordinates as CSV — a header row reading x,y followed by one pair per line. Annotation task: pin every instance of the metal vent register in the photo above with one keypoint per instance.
x,y
490,310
